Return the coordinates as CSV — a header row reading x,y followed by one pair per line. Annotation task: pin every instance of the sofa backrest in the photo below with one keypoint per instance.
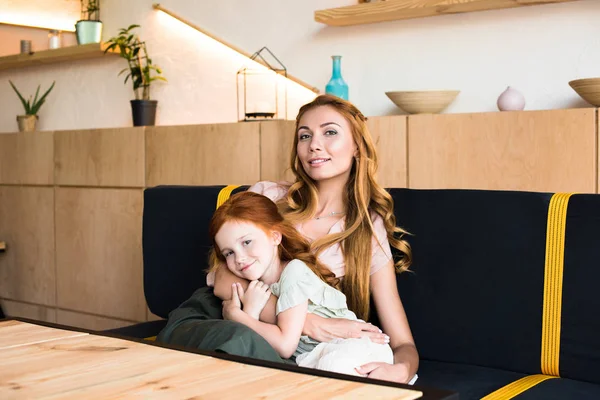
x,y
477,287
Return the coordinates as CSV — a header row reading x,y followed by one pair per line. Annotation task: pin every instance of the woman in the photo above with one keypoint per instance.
x,y
336,203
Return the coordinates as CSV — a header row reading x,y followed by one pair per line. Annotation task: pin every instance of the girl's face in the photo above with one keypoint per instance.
x,y
325,144
249,251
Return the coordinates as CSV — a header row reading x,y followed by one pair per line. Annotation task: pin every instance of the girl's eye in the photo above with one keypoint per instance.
x,y
247,242
227,254
331,132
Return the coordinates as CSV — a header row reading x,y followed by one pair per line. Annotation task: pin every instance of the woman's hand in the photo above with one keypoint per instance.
x,y
327,329
254,298
386,372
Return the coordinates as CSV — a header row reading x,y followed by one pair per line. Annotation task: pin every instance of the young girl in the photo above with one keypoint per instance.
x,y
257,244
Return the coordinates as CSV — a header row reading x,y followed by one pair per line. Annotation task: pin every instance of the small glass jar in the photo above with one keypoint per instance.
x,y
54,39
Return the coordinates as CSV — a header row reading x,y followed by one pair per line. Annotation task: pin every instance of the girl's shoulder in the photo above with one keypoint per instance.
x,y
273,190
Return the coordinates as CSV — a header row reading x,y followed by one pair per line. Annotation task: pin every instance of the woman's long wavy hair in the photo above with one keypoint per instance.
x,y
259,210
363,196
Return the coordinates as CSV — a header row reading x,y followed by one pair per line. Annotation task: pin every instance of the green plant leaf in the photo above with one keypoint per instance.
x,y
23,101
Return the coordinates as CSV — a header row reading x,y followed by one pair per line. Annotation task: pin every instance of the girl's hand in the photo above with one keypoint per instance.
x,y
254,298
326,329
232,308
385,372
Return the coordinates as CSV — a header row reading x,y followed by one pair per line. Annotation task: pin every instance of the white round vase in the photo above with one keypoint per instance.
x,y
511,100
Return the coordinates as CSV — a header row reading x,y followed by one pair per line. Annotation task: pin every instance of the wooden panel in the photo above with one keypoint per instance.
x,y
94,366
107,157
30,311
27,158
63,54
18,334
389,135
99,252
27,271
203,154
276,141
391,10
550,150
87,321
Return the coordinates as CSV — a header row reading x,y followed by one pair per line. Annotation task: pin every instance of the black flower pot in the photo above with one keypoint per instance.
x,y
144,112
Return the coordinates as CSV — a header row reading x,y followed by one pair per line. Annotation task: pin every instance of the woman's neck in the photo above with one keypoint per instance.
x,y
331,196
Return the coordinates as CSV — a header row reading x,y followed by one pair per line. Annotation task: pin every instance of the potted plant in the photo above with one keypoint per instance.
x,y
89,28
28,121
141,71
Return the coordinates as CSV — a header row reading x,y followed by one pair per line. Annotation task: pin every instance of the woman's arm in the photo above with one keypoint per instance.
x,y
326,329
284,336
224,279
393,320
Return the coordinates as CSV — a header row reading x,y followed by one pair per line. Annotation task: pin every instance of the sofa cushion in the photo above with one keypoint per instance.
x,y
580,328
475,294
175,242
470,381
561,389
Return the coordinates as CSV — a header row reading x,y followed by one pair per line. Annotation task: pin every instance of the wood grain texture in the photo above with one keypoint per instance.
x,y
87,321
27,158
276,141
27,270
18,334
532,150
100,157
203,154
25,310
391,10
63,54
94,367
99,252
389,135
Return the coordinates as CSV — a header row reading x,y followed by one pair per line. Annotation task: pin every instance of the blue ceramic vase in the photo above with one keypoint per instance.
x,y
337,86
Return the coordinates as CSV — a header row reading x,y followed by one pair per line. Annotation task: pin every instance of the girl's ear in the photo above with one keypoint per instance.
x,y
276,235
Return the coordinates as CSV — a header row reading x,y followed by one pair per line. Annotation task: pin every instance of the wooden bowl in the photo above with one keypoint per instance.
x,y
588,89
423,101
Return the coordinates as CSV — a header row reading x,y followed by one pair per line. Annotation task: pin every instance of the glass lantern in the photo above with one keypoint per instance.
x,y
262,88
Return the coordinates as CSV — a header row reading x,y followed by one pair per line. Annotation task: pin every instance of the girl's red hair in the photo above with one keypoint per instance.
x,y
261,211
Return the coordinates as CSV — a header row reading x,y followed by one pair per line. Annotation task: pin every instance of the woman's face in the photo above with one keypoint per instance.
x,y
325,147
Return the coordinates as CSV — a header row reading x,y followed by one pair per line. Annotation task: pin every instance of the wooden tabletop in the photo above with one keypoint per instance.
x,y
2,246
42,361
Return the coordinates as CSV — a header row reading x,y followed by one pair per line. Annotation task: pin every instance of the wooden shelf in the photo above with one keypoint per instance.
x,y
71,53
391,10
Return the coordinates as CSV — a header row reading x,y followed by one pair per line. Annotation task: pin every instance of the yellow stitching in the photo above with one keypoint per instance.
x,y
225,193
553,279
517,387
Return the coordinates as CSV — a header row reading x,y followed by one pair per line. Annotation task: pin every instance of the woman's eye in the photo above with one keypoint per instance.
x,y
227,254
247,242
331,132
303,136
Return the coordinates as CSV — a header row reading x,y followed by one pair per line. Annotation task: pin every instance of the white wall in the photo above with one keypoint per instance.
x,y
535,49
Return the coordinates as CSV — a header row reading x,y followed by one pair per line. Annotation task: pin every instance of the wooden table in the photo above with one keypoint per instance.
x,y
39,361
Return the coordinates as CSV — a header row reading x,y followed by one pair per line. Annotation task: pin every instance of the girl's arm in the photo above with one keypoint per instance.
x,y
283,337
224,279
393,320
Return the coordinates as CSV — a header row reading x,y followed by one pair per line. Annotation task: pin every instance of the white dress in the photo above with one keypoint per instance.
x,y
298,284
